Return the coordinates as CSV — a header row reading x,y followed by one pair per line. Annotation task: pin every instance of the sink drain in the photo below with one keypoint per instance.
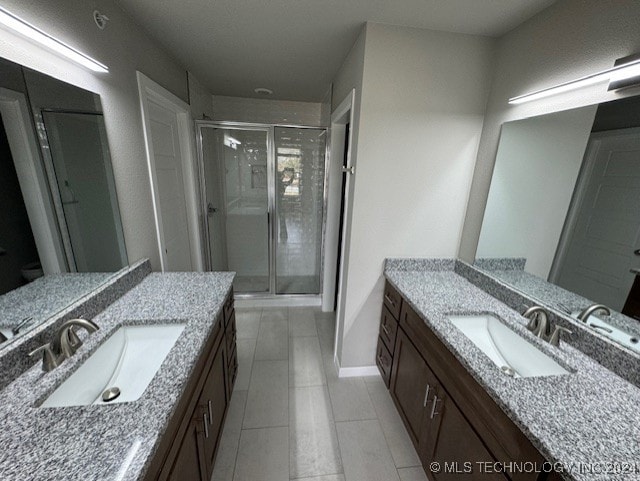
x,y
110,394
508,371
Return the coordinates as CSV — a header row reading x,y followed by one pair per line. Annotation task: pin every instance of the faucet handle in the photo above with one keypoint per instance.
x,y
49,360
554,339
74,341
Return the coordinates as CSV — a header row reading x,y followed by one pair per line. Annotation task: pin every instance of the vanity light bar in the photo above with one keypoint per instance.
x,y
615,75
24,28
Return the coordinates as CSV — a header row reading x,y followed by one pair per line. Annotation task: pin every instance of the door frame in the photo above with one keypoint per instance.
x,y
149,91
578,198
33,181
342,115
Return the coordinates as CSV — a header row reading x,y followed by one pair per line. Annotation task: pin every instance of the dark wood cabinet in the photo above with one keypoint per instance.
x,y
450,418
392,300
388,329
388,332
188,448
213,404
384,360
413,385
453,444
190,461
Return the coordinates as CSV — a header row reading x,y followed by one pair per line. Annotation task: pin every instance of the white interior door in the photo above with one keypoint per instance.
x,y
606,230
169,176
169,138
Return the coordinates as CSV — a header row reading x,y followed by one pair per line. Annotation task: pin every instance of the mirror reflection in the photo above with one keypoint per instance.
x,y
60,230
562,221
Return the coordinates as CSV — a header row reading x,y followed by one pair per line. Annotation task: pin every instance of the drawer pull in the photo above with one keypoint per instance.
x,y
386,296
433,408
210,413
384,328
206,426
426,396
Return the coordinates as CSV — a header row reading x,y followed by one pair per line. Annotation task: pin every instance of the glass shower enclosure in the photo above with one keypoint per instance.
x,y
262,189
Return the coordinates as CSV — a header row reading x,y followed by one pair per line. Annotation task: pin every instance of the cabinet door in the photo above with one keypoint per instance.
x,y
454,445
190,463
213,401
412,386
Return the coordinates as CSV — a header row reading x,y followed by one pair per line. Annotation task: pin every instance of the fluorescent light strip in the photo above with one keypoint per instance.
x,y
26,29
621,72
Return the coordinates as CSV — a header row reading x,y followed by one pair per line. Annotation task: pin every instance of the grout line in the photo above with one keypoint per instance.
x,y
265,427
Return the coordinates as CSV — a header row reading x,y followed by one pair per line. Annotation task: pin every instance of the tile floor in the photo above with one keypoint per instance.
x,y
292,418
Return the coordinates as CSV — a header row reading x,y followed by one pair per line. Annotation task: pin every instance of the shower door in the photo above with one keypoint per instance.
x,y
235,175
300,168
263,193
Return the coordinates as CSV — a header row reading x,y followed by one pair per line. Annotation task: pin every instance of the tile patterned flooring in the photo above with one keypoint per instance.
x,y
291,417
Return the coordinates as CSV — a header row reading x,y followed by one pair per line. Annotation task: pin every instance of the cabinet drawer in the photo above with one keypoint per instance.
x,y
388,329
392,300
231,332
228,308
232,372
384,361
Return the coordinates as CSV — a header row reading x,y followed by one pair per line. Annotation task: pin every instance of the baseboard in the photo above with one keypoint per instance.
x,y
276,301
360,371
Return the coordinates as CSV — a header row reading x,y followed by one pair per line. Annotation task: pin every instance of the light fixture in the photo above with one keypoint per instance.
x,y
24,28
625,73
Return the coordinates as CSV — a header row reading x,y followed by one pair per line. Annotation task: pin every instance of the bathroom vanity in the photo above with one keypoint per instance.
x,y
172,429
463,411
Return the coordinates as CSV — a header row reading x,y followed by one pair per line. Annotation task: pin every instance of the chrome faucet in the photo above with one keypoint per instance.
x,y
554,338
538,320
65,343
540,326
585,313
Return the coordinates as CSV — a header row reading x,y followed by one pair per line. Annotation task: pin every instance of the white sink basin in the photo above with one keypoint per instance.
x,y
508,350
128,360
611,331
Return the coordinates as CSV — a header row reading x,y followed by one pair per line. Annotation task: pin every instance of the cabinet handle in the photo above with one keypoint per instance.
x,y
433,408
210,412
206,426
386,296
426,396
384,328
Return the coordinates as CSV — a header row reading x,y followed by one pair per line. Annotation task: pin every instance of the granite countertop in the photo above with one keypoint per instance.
x,y
110,442
47,295
590,416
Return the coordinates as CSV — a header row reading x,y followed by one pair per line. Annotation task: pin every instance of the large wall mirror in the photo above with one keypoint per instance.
x,y
562,221
60,230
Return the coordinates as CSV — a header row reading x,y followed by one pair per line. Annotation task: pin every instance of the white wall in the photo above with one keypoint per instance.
x,y
240,109
570,39
348,78
537,166
200,99
423,99
124,48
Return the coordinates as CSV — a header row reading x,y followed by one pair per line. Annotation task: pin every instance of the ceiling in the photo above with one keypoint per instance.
x,y
295,47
